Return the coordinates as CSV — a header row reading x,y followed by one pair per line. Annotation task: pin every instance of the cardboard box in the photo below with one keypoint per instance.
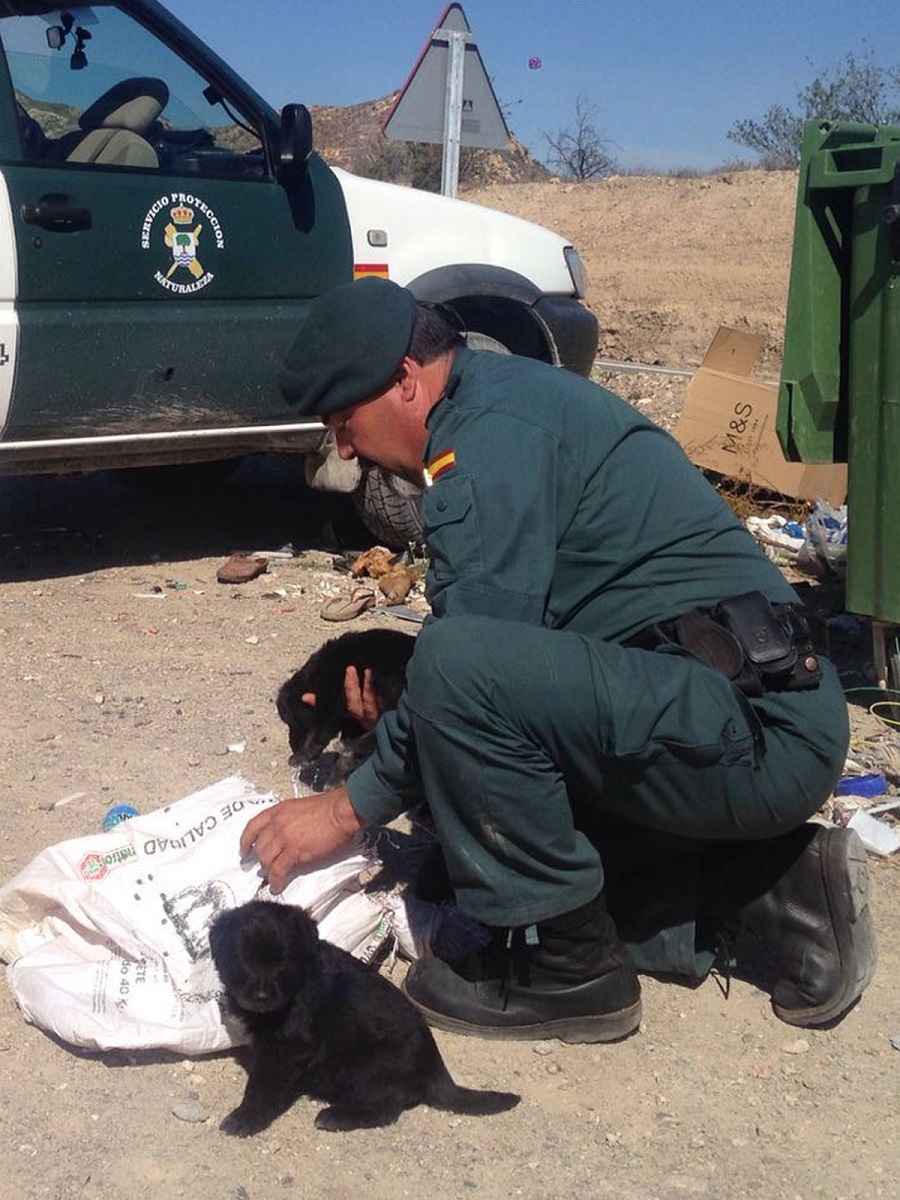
x,y
728,425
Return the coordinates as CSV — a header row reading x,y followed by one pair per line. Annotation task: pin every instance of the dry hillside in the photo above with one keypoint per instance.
x,y
671,259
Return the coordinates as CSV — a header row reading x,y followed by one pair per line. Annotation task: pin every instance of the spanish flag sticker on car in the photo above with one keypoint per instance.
x,y
366,270
440,466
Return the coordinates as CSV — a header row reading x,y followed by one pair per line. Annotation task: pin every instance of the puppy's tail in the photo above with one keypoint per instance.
x,y
474,1102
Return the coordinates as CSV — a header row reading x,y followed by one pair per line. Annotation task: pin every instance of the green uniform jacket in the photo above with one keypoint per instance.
x,y
555,503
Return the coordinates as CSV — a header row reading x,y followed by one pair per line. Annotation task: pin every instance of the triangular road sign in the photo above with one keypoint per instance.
x,y
419,113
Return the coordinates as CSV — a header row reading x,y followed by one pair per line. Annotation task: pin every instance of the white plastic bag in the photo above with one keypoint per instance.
x,y
106,935
826,538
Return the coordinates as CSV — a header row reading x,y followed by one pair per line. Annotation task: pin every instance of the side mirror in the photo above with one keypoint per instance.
x,y
296,141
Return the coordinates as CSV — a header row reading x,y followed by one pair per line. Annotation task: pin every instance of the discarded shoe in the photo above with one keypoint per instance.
x,y
397,584
240,568
575,982
345,608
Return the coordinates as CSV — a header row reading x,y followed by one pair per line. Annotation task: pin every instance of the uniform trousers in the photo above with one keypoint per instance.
x,y
556,765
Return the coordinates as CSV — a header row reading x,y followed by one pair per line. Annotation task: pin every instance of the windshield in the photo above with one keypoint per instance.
x,y
63,60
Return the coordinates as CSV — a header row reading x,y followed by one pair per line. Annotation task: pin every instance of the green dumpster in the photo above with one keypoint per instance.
x,y
839,396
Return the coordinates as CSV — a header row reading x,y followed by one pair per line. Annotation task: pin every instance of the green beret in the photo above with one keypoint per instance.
x,y
351,341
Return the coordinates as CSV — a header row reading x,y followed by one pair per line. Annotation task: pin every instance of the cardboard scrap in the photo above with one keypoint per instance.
x,y
728,425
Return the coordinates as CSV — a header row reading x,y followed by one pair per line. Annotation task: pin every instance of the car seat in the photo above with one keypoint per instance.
x,y
111,128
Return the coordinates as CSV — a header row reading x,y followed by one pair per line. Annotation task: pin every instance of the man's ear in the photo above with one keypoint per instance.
x,y
309,699
409,374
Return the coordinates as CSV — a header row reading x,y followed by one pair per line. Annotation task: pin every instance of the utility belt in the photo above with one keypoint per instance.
x,y
760,646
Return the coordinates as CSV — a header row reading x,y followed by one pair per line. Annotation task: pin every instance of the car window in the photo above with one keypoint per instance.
x,y
95,88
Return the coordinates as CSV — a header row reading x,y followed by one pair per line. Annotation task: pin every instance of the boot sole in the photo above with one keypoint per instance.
x,y
845,875
602,1027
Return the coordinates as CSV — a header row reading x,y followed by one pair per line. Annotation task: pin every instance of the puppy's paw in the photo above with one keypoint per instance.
x,y
242,1122
344,1116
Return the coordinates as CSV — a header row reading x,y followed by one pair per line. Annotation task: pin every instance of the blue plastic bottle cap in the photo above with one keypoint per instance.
x,y
861,785
117,814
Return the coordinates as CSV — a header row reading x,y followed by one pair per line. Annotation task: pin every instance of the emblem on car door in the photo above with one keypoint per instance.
x,y
191,233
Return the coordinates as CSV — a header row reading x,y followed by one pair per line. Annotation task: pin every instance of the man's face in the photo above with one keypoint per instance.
x,y
379,431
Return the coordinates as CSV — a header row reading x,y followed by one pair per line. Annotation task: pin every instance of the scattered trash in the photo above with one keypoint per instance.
x,y
236,747
861,785
285,551
175,586
777,534
895,1041
51,805
241,568
886,807
405,613
826,537
819,545
116,815
875,835
374,562
397,584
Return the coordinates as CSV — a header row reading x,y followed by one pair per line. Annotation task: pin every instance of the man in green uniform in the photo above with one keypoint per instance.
x,y
614,711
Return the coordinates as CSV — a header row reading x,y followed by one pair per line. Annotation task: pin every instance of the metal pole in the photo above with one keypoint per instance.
x,y
453,110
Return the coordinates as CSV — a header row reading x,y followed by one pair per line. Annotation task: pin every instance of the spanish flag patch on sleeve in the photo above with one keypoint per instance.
x,y
441,465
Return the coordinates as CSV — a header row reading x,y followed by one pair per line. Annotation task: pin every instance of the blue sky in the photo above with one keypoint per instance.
x,y
666,78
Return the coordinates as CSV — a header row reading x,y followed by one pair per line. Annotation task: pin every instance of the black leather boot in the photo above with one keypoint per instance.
x,y
805,895
569,977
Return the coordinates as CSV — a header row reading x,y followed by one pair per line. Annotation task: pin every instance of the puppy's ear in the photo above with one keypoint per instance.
x,y
304,931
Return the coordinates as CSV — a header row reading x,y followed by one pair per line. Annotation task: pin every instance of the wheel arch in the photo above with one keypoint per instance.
x,y
494,301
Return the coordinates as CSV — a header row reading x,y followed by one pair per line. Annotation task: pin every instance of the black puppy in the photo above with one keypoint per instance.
x,y
311,727
323,1024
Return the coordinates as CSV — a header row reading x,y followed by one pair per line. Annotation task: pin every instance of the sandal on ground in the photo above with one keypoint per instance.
x,y
345,608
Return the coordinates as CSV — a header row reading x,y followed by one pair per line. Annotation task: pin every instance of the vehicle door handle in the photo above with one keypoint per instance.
x,y
55,214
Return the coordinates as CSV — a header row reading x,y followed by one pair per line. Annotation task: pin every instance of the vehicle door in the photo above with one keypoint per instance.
x,y
160,266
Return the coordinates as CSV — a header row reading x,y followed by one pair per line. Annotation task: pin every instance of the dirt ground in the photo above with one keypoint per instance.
x,y
129,672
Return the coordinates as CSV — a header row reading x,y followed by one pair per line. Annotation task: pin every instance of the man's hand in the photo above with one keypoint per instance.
x,y
299,831
360,698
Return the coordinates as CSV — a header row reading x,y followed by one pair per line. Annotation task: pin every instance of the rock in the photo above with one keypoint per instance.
x,y
191,1111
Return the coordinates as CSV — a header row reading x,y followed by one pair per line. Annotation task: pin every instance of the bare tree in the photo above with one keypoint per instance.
x,y
581,152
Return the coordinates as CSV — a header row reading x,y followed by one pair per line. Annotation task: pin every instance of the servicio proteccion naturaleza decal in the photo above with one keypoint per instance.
x,y
190,234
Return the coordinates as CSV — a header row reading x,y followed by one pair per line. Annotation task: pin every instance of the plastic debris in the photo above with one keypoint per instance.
x,y
861,785
875,835
51,805
778,535
285,551
826,536
116,815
